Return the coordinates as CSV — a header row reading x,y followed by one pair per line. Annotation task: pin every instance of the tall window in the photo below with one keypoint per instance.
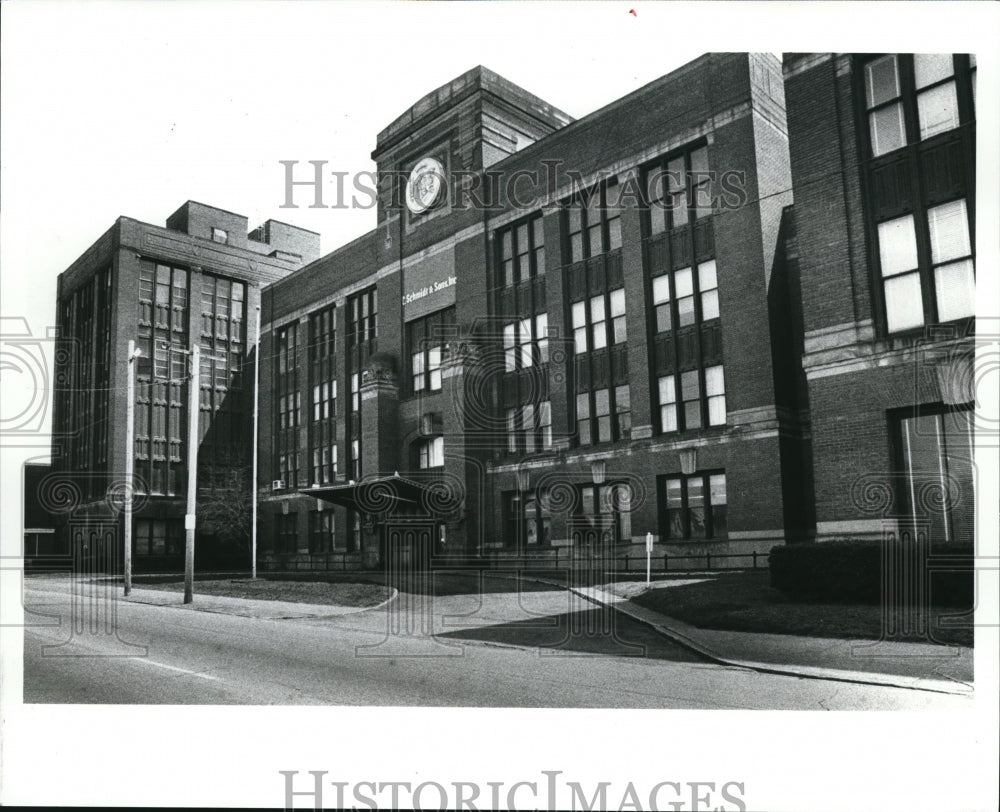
x,y
364,316
914,97
355,391
323,377
602,412
526,342
321,531
603,514
362,335
935,451
593,223
693,507
522,251
354,523
603,415
693,399
163,313
527,519
427,339
519,305
679,190
596,315
289,415
286,536
682,293
599,321
430,453
162,373
223,348
685,297
685,303
927,267
529,428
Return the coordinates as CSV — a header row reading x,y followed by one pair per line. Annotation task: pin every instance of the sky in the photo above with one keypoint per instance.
x,y
131,108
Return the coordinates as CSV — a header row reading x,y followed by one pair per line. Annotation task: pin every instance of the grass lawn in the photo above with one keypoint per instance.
x,y
360,588
745,601
316,592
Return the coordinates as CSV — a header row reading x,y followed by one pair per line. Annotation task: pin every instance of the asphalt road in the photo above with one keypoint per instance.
x,y
488,647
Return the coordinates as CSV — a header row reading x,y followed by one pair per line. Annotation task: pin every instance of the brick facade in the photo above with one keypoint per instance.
x,y
733,104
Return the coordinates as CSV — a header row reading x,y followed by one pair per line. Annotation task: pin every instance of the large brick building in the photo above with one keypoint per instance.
x,y
196,281
578,368
562,337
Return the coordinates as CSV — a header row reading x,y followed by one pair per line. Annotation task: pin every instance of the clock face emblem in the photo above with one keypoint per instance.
x,y
425,184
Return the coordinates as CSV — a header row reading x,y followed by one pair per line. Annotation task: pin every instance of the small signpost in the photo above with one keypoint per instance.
x,y
649,553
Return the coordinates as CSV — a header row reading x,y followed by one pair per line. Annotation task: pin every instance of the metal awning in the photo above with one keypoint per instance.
x,y
379,495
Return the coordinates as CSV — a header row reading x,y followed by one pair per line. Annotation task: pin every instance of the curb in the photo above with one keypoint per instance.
x,y
217,610
625,606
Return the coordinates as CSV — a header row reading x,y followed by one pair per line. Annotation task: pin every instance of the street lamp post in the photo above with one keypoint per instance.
x,y
194,355
253,467
192,489
133,355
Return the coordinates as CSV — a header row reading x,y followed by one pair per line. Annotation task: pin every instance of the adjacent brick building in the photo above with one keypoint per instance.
x,y
883,166
197,281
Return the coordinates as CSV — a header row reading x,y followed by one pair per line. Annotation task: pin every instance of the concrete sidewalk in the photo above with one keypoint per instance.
x,y
923,666
244,607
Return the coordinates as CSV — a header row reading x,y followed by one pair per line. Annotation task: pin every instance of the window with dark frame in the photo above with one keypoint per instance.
x,y
529,428
934,450
323,378
605,509
596,315
932,284
683,293
693,507
527,519
161,374
522,252
158,537
354,526
289,414
363,308
427,341
678,190
430,452
286,540
694,399
593,223
362,343
518,305
913,97
919,112
526,342
223,348
322,537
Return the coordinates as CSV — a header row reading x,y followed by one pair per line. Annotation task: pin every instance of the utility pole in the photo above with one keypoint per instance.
x,y
253,466
133,355
192,494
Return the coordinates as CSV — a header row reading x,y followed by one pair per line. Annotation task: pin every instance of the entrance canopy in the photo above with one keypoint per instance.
x,y
389,495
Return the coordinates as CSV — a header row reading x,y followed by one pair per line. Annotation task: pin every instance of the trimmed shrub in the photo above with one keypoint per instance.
x,y
852,571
